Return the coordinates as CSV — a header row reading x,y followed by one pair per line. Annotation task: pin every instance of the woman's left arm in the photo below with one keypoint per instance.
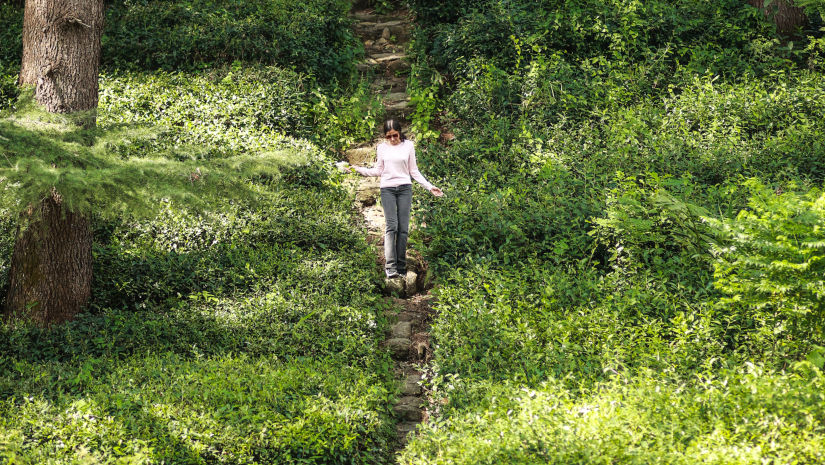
x,y
415,174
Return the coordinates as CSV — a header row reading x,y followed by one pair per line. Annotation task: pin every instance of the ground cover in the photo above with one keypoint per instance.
x,y
629,223
240,331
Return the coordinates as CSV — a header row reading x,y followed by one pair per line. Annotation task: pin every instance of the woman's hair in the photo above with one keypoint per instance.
x,y
394,125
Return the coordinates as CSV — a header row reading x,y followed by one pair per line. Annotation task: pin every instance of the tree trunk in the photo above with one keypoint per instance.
x,y
788,18
51,266
61,52
51,269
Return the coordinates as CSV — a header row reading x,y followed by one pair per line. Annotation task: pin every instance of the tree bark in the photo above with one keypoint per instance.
x,y
788,18
51,266
61,53
50,275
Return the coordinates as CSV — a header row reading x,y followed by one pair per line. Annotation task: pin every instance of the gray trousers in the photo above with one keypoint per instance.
x,y
397,202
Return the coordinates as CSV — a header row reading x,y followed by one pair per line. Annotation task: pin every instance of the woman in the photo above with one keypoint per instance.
x,y
395,164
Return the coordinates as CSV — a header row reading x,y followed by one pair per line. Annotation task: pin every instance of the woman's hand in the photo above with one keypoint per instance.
x,y
344,167
436,191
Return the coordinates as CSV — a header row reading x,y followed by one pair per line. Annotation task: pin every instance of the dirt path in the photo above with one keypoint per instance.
x,y
385,39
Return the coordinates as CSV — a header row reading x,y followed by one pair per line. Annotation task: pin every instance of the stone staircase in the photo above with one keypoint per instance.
x,y
385,38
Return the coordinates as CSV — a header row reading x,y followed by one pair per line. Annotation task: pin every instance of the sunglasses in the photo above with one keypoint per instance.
x,y
393,136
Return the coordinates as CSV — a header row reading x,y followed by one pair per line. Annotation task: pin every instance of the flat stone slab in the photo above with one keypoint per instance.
x,y
408,408
374,217
399,106
397,97
411,386
361,155
384,57
402,329
390,24
398,347
368,191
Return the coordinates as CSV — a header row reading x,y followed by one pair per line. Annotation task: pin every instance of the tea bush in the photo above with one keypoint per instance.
x,y
11,25
748,415
239,331
251,333
313,37
593,266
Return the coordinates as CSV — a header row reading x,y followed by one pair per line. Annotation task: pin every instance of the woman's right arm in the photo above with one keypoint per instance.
x,y
375,170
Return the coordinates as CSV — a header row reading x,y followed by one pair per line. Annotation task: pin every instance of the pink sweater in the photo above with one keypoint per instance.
x,y
395,164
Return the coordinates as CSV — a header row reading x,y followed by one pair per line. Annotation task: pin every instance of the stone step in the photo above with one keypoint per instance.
x,y
410,386
385,57
402,329
373,17
368,191
399,110
390,85
408,408
399,348
365,68
407,316
403,431
395,68
360,156
406,427
382,46
396,97
393,31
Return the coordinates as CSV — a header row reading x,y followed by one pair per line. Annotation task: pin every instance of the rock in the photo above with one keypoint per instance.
x,y
368,43
394,285
401,329
403,431
408,408
410,281
374,217
421,346
411,386
360,155
368,191
397,97
390,24
385,57
399,109
386,34
397,66
399,348
365,16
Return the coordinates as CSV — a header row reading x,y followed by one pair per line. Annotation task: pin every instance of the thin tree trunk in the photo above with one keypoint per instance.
x,y
788,18
51,269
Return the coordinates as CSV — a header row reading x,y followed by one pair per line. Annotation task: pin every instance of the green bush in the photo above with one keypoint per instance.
x,y
11,26
744,416
313,37
224,409
599,156
233,109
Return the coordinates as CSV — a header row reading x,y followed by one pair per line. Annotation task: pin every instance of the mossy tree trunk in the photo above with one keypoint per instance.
x,y
786,16
51,269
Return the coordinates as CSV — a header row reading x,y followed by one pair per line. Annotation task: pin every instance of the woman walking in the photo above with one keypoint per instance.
x,y
395,164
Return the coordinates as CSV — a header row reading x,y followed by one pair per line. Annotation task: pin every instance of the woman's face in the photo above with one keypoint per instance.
x,y
393,137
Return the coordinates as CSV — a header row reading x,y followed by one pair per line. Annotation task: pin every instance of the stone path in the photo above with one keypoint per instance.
x,y
385,39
